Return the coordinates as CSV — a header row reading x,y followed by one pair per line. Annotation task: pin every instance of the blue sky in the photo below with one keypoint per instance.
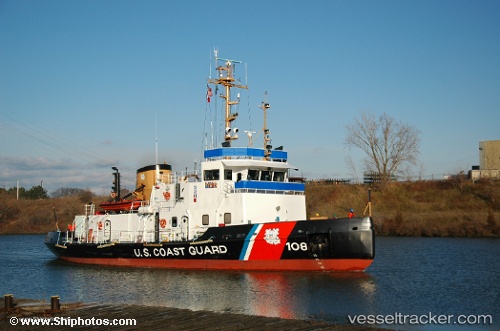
x,y
81,82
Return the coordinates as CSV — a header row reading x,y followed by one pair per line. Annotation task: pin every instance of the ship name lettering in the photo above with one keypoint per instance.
x,y
176,251
145,252
137,252
202,250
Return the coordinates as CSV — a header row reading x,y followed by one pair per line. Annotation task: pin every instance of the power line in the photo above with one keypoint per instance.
x,y
448,162
42,137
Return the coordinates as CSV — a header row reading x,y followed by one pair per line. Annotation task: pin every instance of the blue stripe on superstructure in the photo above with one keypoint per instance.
x,y
243,151
247,241
263,185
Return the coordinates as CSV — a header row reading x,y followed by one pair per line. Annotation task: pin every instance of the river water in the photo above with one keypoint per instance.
x,y
410,276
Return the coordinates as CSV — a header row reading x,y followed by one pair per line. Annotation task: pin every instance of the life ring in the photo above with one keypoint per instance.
x,y
163,223
166,195
113,194
99,225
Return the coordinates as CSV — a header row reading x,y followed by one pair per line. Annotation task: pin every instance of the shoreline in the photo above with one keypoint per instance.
x,y
154,318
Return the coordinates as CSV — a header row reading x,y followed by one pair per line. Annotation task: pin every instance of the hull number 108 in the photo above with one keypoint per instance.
x,y
296,246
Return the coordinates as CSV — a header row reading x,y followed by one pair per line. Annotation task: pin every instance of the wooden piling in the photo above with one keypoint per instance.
x,y
54,303
9,301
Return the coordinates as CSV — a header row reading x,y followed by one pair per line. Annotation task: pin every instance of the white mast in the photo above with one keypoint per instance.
x,y
156,137
157,166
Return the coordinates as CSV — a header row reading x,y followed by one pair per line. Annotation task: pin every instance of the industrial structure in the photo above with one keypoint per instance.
x,y
489,161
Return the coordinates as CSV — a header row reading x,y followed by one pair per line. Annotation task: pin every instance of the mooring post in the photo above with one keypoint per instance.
x,y
9,299
54,303
368,208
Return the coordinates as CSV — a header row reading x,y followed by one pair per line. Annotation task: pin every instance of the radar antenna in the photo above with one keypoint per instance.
x,y
250,137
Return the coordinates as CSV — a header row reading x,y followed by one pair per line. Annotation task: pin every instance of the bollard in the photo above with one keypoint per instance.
x,y
54,303
9,298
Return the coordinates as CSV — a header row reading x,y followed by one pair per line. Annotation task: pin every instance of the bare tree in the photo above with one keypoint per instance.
x,y
390,146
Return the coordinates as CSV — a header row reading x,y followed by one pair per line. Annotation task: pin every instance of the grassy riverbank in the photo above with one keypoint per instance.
x,y
455,208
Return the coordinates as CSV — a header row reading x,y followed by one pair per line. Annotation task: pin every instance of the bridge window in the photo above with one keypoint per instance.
x,y
228,174
205,220
253,174
211,174
265,175
279,176
227,218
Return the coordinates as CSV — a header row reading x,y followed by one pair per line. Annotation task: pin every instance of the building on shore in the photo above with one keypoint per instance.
x,y
489,161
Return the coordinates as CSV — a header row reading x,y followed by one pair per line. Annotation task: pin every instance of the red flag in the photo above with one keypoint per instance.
x,y
209,93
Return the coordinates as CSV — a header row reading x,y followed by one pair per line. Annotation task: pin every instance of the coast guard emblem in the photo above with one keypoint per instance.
x,y
271,236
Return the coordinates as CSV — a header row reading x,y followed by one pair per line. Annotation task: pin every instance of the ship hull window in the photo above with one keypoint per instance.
x,y
174,222
227,218
205,220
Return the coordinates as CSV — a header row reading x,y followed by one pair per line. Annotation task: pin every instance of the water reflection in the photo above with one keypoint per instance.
x,y
271,294
274,294
305,295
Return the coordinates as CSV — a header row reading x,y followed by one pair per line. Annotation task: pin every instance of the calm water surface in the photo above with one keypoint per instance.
x,y
413,276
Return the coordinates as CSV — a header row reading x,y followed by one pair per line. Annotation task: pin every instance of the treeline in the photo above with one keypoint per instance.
x,y
34,211
38,192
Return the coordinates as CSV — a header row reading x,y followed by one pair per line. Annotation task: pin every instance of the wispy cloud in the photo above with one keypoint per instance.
x,y
54,173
